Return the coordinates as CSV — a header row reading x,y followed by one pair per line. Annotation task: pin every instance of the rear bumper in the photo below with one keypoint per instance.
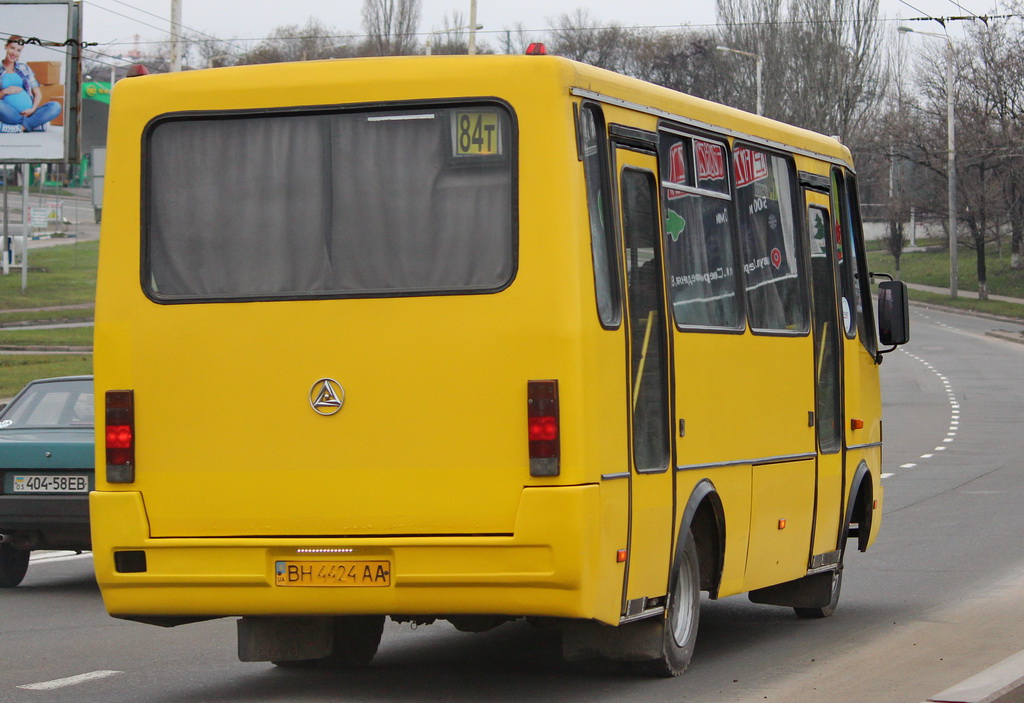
x,y
54,522
547,567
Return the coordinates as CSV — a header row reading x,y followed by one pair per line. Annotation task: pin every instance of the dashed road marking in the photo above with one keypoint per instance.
x,y
954,409
69,681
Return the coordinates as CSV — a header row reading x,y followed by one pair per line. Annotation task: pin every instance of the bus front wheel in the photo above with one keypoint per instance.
x,y
680,624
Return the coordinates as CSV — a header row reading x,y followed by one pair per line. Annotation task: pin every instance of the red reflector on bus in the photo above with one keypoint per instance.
x,y
536,49
120,436
543,428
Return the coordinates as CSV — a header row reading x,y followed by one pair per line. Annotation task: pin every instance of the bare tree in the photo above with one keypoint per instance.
x,y
452,38
579,36
314,40
215,53
683,60
390,26
516,40
995,74
823,61
754,26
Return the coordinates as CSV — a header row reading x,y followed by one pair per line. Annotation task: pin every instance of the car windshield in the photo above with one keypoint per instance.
x,y
51,404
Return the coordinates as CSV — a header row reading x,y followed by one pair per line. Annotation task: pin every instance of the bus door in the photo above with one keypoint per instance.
x,y
651,480
862,398
828,407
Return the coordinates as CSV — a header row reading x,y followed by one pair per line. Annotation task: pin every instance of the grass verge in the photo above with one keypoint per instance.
x,y
998,308
57,275
16,370
932,269
61,336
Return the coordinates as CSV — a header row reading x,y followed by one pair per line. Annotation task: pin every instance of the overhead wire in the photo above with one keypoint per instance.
x,y
229,42
925,17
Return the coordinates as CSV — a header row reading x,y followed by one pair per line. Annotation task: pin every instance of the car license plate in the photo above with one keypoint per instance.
x,y
333,573
44,483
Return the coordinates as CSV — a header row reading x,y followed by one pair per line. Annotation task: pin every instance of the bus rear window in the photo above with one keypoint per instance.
x,y
339,204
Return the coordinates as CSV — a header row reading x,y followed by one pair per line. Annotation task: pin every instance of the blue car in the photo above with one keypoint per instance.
x,y
46,471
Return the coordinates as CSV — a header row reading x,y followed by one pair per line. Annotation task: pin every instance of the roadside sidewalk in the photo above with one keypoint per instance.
x,y
973,295
903,663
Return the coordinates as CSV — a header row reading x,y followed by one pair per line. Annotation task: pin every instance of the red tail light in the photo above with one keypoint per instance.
x,y
120,436
543,428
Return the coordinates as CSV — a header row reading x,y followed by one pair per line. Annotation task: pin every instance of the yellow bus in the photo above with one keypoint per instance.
x,y
476,339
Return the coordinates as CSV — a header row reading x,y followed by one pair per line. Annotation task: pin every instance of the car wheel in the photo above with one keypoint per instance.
x,y
680,623
13,565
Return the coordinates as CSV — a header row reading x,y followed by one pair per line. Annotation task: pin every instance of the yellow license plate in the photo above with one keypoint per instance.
x,y
333,573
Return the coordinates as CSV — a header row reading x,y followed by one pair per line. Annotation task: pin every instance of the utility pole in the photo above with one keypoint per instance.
x,y
175,35
472,27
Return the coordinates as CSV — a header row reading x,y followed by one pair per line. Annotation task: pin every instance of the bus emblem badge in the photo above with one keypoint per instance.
x,y
326,396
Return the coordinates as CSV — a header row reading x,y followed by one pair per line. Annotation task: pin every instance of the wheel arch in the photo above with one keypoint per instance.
x,y
859,509
704,517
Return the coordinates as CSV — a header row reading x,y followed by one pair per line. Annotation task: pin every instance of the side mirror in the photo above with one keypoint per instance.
x,y
893,314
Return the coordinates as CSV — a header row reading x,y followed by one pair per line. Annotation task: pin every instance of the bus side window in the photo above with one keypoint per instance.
x,y
699,233
772,261
846,256
602,242
828,398
859,266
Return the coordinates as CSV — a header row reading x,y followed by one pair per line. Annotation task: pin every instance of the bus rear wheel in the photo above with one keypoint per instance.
x,y
13,565
680,624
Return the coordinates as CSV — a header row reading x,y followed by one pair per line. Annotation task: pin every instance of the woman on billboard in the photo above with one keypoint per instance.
x,y
20,97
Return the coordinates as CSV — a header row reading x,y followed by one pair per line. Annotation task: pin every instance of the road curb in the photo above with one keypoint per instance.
x,y
1007,335
1000,683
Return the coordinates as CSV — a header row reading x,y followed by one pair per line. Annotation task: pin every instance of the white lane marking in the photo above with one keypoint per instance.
x,y
954,407
887,475
69,681
47,557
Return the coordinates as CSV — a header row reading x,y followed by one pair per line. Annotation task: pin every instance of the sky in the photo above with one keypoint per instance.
x,y
115,23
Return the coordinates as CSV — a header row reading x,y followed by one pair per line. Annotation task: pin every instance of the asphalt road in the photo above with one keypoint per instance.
x,y
936,600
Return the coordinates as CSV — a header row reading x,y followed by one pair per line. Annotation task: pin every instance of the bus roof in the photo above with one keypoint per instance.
x,y
361,80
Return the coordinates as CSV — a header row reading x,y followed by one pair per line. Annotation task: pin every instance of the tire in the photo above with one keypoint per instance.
x,y
13,565
680,623
356,638
826,611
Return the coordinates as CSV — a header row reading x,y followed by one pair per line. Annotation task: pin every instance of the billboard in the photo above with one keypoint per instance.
x,y
39,91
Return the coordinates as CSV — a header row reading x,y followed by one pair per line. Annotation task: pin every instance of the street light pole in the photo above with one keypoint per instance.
x,y
758,73
954,270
